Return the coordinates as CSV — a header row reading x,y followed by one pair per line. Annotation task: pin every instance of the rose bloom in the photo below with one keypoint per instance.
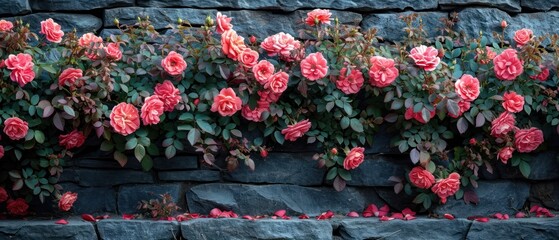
x,y
507,65
232,44
168,94
226,102
527,140
502,124
314,66
113,51
125,118
52,30
278,82
1,151
280,44
223,23
173,64
543,75
447,187
248,57
425,57
463,107
17,207
513,102
254,115
297,130
351,83
421,178
409,114
151,110
318,16
22,77
3,195
522,36
22,61
484,57
87,39
467,87
262,71
67,201
354,158
15,128
71,140
382,72
5,25
505,154
268,96
69,76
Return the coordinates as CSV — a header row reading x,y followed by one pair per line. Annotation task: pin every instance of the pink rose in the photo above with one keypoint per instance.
x,y
69,76
223,23
543,75
505,154
467,87
22,61
318,16
513,102
277,83
297,130
151,110
350,83
67,201
409,114
248,57
314,66
3,195
5,25
447,187
22,77
113,52
52,30
502,124
382,72
269,96
232,44
421,178
281,44
527,140
17,207
15,128
88,39
522,36
254,115
1,152
484,57
354,158
425,57
173,64
226,102
125,118
71,140
168,94
507,65
262,71
463,107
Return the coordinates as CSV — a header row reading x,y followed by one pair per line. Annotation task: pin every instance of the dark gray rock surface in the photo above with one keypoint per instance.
x,y
14,7
391,27
129,196
83,23
505,5
526,228
46,230
138,229
108,177
376,169
92,200
190,176
76,5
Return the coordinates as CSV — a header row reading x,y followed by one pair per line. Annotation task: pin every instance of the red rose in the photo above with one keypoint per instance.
x,y
248,57
3,195
15,128
527,140
125,118
409,114
277,83
463,107
17,207
22,77
425,57
543,75
51,30
484,57
113,51
5,25
382,72
318,16
513,102
232,44
467,87
447,187
1,151
281,44
88,39
152,110
169,94
226,102
69,76
173,64
71,140
507,65
502,124
505,154
314,66
67,201
522,36
350,83
354,158
262,71
421,178
254,115
297,130
223,23
20,61
268,96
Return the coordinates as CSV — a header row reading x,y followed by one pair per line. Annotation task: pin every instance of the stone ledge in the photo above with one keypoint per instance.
x,y
46,230
138,229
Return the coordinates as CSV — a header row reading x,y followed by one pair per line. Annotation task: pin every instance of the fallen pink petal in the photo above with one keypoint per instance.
x,y
89,218
61,222
448,216
280,213
520,215
304,216
128,216
353,214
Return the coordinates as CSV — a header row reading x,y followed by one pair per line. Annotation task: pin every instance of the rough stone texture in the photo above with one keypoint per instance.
x,y
159,17
506,5
92,199
421,228
391,28
46,230
494,197
105,163
376,170
543,5
279,168
14,7
398,201
529,228
540,22
545,194
130,196
190,176
108,177
487,20
381,141
69,175
81,22
77,5
257,200
233,229
138,229
540,165
175,163
291,5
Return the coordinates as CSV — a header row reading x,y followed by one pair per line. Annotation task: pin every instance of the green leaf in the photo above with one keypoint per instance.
x,y
39,136
205,126
524,169
120,158
139,152
170,152
131,144
332,173
279,137
69,111
49,69
193,136
344,123
431,167
106,146
356,125
147,163
345,174
347,108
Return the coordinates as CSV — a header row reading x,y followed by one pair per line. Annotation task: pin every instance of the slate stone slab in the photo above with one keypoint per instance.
x,y
421,228
175,163
110,229
543,5
159,17
299,169
83,23
376,169
398,201
69,175
266,199
130,196
14,7
505,5
540,167
526,228
236,229
109,177
77,5
190,176
106,163
494,197
545,194
46,230
92,200
391,27
381,141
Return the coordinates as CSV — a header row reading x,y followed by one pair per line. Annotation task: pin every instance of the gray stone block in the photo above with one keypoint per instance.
x,y
109,177
175,163
92,200
540,165
110,229
236,229
69,175
391,28
14,7
376,169
543,5
130,196
519,228
505,5
46,230
190,176
106,163
159,17
83,23
77,5
545,194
